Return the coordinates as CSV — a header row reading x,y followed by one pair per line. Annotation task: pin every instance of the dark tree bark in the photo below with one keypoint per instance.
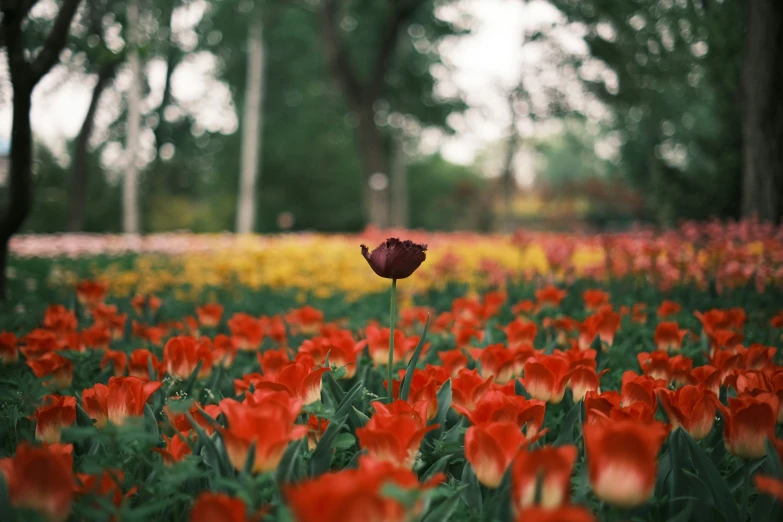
x,y
762,124
25,75
361,96
172,60
79,178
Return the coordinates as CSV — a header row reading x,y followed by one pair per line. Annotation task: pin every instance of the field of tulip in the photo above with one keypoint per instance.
x,y
537,377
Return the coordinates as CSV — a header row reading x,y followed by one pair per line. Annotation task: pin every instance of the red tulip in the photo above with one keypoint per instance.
x,y
315,430
395,259
520,332
91,293
9,353
55,414
40,479
453,361
600,405
561,514
356,495
550,297
640,388
583,379
622,460
218,507
122,400
54,365
497,362
224,351
60,320
394,433
151,334
268,426
38,343
118,361
209,315
552,466
490,448
275,329
97,337
707,376
691,407
378,345
668,309
424,387
595,299
142,302
107,316
342,350
467,388
299,378
177,448
106,485
181,423
305,321
182,354
497,406
139,364
748,422
659,365
247,331
546,378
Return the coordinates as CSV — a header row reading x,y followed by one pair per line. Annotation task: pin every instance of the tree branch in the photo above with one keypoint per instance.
x,y
55,42
336,54
399,18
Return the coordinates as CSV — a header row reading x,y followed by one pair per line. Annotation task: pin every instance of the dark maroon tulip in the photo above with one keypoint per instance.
x,y
395,259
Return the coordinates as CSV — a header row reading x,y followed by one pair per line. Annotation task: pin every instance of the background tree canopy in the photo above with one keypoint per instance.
x,y
667,75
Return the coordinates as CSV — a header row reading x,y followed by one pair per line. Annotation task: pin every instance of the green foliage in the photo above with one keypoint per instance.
x,y
676,103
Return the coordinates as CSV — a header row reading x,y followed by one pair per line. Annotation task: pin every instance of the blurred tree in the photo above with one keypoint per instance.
x,y
762,122
26,70
361,40
445,196
130,187
673,84
252,118
99,60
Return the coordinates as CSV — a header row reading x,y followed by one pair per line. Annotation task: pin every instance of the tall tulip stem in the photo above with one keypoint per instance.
x,y
391,340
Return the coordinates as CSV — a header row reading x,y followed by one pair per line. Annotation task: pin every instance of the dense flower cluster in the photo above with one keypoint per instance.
x,y
732,255
538,399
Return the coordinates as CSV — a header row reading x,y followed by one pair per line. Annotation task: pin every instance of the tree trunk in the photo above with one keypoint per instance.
x,y
171,64
251,127
375,167
130,196
763,111
79,177
399,185
20,175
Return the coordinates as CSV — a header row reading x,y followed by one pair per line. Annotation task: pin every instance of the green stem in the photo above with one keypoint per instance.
x,y
745,491
391,340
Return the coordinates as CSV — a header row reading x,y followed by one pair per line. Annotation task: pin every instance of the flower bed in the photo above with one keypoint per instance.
x,y
629,377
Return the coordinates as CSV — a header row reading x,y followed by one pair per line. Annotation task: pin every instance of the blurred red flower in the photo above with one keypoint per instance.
x,y
549,465
52,416
622,460
123,399
209,315
40,479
